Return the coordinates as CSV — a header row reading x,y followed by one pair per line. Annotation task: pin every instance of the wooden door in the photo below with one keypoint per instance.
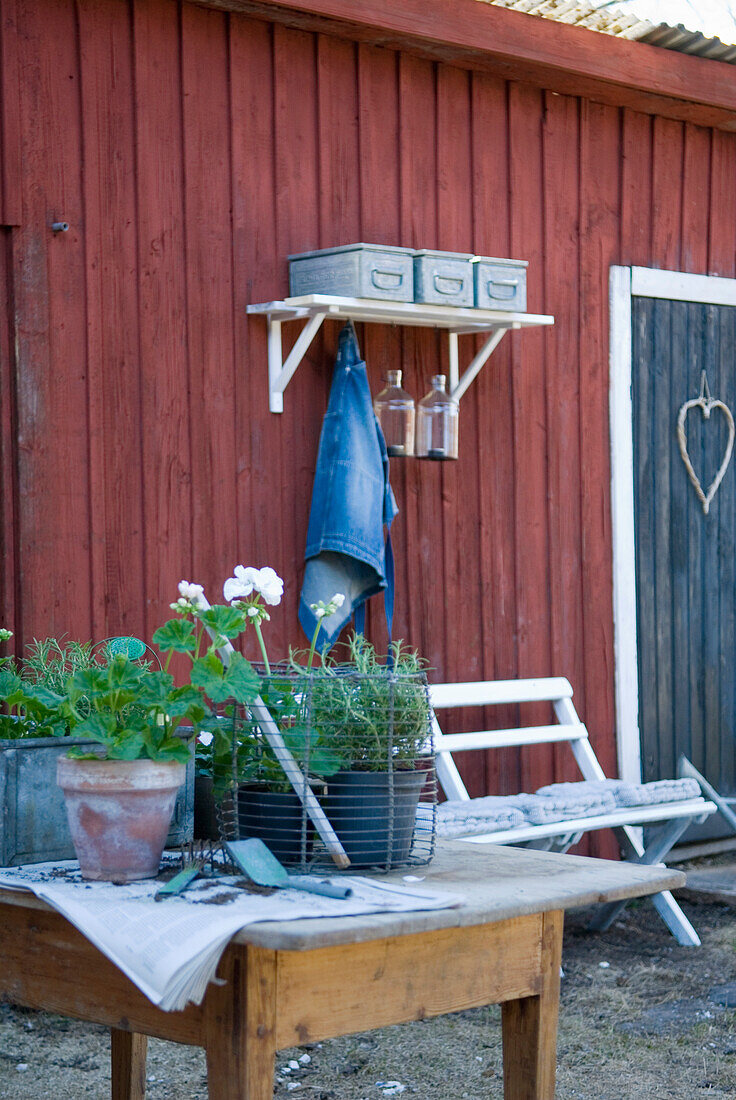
x,y
685,559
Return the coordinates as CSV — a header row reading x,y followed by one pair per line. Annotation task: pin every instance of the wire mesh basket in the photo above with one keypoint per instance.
x,y
362,746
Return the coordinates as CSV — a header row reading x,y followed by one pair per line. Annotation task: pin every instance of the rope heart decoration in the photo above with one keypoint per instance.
x,y
706,404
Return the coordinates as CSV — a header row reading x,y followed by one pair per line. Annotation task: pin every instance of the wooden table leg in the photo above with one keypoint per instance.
x,y
128,1056
240,1023
530,1026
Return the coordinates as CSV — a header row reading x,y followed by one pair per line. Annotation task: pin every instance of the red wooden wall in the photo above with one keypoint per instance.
x,y
191,151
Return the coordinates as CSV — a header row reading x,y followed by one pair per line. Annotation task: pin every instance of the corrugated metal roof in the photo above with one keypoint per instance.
x,y
624,24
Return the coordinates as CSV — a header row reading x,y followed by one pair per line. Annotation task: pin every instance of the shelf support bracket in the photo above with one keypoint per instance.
x,y
280,373
458,387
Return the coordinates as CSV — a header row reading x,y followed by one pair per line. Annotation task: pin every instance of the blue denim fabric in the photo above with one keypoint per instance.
x,y
351,499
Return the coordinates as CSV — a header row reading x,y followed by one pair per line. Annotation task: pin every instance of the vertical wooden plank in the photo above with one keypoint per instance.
x,y
460,479
642,324
661,454
636,187
339,154
10,596
112,319
53,491
259,276
208,227
561,137
722,223
696,189
683,512
297,225
725,763
491,201
530,416
165,440
599,226
715,436
378,136
11,167
418,229
667,166
690,361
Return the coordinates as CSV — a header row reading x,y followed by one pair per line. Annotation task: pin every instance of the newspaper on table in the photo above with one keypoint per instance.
x,y
170,949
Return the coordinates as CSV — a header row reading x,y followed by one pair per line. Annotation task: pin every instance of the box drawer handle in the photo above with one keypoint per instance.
x,y
507,288
386,280
443,284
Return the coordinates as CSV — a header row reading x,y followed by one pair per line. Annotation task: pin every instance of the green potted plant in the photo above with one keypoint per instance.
x,y
33,735
379,712
356,728
134,716
121,782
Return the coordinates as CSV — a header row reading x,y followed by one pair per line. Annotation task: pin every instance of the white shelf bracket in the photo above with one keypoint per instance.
x,y
280,373
458,388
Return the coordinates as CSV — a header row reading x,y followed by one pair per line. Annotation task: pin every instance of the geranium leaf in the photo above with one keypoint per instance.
x,y
88,682
155,689
128,745
9,683
177,635
98,727
242,681
226,621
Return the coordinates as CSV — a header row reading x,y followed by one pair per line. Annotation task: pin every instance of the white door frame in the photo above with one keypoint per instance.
x,y
625,283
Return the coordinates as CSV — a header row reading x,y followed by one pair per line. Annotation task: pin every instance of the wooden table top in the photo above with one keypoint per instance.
x,y
497,883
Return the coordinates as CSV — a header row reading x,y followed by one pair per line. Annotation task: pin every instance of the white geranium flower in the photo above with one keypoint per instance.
x,y
205,738
190,592
240,585
270,585
337,600
266,582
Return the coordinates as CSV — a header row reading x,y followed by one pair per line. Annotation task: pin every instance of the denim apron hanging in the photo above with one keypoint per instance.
x,y
351,502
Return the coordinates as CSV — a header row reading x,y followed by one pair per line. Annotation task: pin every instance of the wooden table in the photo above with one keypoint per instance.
x,y
300,981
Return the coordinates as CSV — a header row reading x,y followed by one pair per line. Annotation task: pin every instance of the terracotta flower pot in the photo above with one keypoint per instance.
x,y
119,813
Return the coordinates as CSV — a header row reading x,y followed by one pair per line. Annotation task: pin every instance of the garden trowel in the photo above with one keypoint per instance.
x,y
260,865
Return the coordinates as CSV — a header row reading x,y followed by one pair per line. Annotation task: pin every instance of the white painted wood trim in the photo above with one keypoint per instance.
x,y
504,739
681,286
626,674
483,693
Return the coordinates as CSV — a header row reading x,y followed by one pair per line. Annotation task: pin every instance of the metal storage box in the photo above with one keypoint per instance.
x,y
500,284
33,822
354,271
443,278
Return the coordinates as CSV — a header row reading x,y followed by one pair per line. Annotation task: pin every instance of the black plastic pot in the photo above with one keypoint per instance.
x,y
275,817
373,816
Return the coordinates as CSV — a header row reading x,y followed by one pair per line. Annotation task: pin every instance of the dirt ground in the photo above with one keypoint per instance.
x,y
641,1019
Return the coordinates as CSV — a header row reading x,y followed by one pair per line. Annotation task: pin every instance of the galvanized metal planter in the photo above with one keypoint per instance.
x,y
443,278
500,284
354,271
33,823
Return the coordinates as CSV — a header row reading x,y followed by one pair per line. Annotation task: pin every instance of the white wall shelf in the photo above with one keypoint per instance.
x,y
316,308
